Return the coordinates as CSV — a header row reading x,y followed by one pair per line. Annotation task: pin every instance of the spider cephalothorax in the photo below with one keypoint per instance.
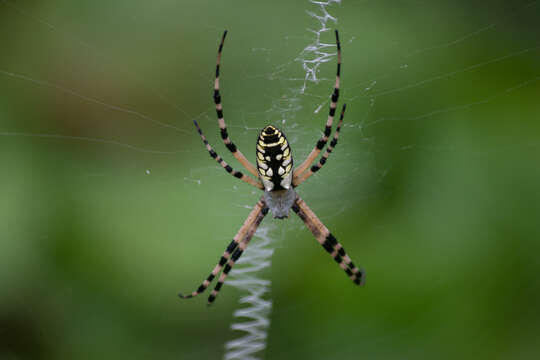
x,y
276,176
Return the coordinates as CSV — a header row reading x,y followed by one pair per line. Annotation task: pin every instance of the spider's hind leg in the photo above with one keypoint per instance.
x,y
328,127
221,120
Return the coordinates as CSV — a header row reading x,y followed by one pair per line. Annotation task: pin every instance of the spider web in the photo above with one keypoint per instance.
x,y
111,204
246,273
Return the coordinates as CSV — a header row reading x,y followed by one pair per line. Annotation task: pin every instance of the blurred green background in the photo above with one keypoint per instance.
x,y
433,188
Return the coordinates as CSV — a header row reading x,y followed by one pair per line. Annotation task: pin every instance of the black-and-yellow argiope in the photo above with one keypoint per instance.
x,y
277,178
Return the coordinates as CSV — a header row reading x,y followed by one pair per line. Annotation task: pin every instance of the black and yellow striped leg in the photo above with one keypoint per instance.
x,y
328,128
230,252
237,174
236,255
328,241
326,154
221,120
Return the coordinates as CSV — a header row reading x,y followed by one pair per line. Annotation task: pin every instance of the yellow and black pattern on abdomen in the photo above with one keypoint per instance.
x,y
274,159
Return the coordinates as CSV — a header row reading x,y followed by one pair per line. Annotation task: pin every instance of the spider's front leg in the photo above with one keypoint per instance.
x,y
233,251
237,253
328,241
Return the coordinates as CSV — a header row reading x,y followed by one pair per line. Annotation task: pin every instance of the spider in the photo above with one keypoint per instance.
x,y
277,178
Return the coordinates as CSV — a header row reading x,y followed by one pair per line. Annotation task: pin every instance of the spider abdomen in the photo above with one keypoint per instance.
x,y
274,159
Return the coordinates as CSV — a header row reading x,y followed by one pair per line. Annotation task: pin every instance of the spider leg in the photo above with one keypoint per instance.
x,y
237,174
236,255
327,130
232,248
223,128
328,241
297,181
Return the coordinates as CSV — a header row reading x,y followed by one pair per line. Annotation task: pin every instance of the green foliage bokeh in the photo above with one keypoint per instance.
x,y
433,188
